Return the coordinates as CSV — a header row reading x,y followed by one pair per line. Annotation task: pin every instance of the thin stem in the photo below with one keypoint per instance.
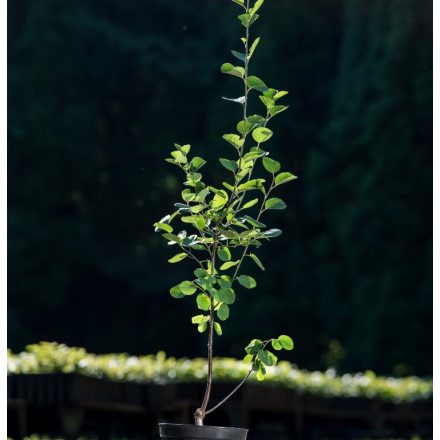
x,y
237,387
201,412
230,394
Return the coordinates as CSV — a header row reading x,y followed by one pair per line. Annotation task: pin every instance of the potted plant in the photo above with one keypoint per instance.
x,y
226,225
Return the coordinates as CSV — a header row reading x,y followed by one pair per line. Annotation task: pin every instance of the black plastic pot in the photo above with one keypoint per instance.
x,y
194,432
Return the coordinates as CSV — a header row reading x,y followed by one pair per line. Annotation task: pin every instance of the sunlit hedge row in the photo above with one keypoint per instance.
x,y
52,357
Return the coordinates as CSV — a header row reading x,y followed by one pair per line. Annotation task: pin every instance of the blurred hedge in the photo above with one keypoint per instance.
x,y
51,357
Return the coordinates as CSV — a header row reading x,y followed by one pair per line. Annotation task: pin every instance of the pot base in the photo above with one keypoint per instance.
x,y
175,431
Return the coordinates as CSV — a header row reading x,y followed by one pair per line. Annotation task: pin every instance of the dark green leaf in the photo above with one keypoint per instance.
x,y
223,312
226,296
247,19
275,203
239,55
176,293
196,163
247,281
272,166
271,233
224,253
257,261
277,109
254,82
254,346
230,165
265,357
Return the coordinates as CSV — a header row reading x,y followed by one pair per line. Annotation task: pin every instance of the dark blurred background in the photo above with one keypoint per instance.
x,y
98,92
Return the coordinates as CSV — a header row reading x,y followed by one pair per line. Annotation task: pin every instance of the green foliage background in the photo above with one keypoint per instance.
x,y
98,91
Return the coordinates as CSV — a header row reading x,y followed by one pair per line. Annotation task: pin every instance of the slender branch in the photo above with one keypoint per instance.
x,y
201,412
237,387
230,394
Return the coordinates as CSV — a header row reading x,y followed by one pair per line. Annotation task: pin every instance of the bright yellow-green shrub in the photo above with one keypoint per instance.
x,y
51,357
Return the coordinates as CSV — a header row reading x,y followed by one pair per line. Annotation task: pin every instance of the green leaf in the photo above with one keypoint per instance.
x,y
202,327
199,319
228,265
262,134
178,257
284,178
279,95
254,82
239,2
265,357
286,342
251,184
224,282
183,148
176,293
269,103
197,220
188,195
277,109
219,200
200,273
226,296
239,55
164,226
272,166
218,328
257,120
179,157
234,139
228,233
247,19
230,69
244,127
257,261
248,358
196,163
256,6
253,222
187,288
223,312
250,204
254,46
276,344
260,375
254,346
201,196
247,281
173,239
230,165
275,203
197,208
224,253
271,233
203,302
